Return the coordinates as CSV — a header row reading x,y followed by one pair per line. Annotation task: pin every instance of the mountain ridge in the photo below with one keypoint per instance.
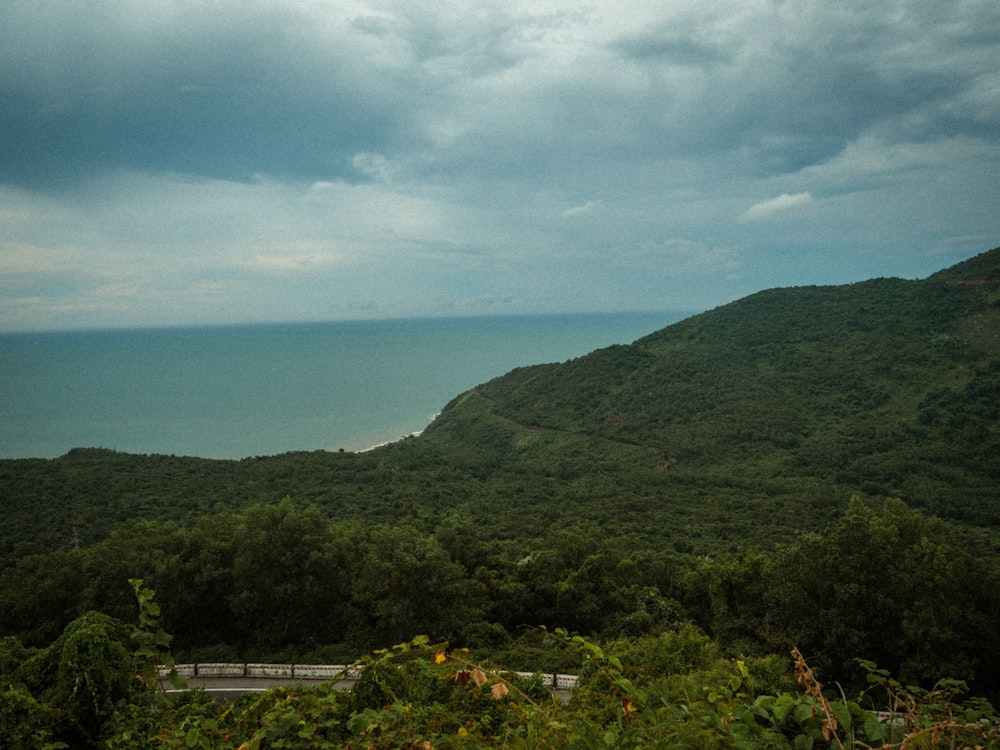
x,y
831,383
780,406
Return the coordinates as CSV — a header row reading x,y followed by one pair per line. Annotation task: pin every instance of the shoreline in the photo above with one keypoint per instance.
x,y
384,443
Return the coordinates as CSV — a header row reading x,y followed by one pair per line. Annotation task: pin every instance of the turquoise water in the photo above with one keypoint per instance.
x,y
232,392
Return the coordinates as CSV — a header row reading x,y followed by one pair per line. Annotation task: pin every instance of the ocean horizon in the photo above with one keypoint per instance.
x,y
239,391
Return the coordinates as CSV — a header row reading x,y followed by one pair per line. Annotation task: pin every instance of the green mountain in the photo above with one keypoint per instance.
x,y
886,388
736,428
767,471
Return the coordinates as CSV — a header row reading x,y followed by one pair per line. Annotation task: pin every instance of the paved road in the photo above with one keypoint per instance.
x,y
240,685
229,688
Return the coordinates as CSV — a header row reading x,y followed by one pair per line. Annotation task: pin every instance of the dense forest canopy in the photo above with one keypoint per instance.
x,y
788,399
816,467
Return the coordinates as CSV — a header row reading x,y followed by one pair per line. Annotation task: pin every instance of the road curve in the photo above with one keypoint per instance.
x,y
229,680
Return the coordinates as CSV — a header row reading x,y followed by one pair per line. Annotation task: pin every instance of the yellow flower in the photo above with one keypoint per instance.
x,y
629,708
440,657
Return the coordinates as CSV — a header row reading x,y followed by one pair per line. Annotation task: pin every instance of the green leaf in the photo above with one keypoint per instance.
x,y
875,730
804,712
782,706
843,713
742,667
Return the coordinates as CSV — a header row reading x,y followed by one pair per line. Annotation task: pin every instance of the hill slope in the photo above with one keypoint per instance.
x,y
735,428
885,387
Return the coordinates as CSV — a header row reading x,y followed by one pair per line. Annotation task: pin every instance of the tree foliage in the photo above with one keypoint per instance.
x,y
671,690
696,483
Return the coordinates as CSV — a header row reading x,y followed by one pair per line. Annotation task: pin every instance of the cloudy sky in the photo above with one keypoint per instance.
x,y
192,161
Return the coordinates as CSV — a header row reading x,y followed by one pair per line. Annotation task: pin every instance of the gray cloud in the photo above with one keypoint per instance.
x,y
181,159
231,91
248,90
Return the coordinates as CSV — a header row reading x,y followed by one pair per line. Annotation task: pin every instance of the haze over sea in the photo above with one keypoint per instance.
x,y
233,392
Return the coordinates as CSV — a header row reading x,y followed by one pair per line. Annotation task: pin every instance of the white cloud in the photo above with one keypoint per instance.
x,y
375,166
784,202
871,160
582,209
295,262
18,258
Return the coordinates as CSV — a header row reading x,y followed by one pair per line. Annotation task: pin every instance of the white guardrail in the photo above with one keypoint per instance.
x,y
318,673
217,674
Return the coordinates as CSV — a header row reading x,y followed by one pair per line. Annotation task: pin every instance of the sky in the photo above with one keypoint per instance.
x,y
184,162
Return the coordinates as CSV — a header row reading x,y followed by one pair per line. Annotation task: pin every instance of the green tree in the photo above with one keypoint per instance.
x,y
892,586
85,676
197,585
405,582
40,595
289,579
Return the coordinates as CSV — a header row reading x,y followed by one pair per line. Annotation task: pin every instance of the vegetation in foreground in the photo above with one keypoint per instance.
x,y
812,468
96,687
283,584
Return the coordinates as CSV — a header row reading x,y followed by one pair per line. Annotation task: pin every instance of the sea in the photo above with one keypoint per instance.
x,y
254,390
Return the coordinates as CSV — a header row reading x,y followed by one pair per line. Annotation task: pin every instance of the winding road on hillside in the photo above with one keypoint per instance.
x,y
229,681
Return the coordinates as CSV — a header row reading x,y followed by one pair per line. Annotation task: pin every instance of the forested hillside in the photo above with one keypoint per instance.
x,y
783,404
816,466
884,388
